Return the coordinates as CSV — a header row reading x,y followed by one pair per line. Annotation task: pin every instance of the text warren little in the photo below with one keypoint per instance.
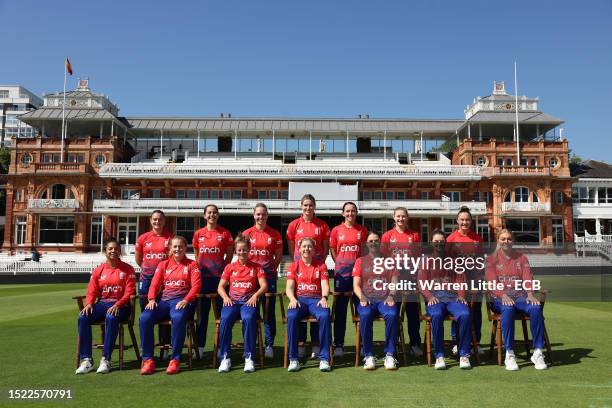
x,y
476,285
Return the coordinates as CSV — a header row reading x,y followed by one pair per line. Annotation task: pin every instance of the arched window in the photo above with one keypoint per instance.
x,y
521,195
58,192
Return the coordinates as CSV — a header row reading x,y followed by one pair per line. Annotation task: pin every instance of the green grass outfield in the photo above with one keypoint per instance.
x,y
38,335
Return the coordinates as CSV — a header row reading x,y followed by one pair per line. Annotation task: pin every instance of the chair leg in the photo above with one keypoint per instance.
x,y
547,343
403,343
121,346
261,346
475,346
498,337
193,341
492,342
331,355
215,346
134,342
78,348
357,343
525,337
428,342
286,352
189,344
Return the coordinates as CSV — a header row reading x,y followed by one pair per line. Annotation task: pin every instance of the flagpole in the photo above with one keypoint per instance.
x,y
518,153
64,111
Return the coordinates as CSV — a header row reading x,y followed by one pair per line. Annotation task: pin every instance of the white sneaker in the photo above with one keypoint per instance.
x,y
455,350
464,363
370,363
225,366
294,365
269,352
537,359
416,351
301,351
390,363
85,367
510,362
315,352
479,350
104,367
324,365
249,366
339,352
440,364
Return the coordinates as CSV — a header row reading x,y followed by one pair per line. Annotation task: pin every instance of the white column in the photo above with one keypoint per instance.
x,y
161,143
597,227
273,143
310,145
235,144
198,148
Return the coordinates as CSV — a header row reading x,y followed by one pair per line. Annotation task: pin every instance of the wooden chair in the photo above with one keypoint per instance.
x,y
307,319
496,336
191,334
122,346
357,322
258,322
428,347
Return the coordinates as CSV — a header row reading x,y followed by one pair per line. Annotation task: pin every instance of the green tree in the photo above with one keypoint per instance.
x,y
5,159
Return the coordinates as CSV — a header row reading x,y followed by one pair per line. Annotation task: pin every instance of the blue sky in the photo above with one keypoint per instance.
x,y
412,59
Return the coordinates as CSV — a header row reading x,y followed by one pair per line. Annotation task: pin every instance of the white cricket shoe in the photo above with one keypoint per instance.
x,y
104,367
370,363
249,365
226,365
324,365
440,364
510,361
416,351
537,358
269,352
315,352
464,363
294,365
455,350
339,352
390,363
85,367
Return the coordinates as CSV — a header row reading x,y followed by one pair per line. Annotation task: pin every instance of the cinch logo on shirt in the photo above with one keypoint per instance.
x,y
349,248
155,256
175,283
259,252
307,286
243,285
111,289
207,250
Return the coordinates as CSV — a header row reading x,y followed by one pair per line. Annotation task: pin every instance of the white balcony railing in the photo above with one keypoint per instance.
x,y
51,204
526,207
275,170
282,207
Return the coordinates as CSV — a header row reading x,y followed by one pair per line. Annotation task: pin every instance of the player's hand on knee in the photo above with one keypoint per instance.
x,y
87,310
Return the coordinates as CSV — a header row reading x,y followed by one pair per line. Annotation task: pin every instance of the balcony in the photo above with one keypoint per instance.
x,y
45,205
56,168
526,207
317,170
416,208
514,171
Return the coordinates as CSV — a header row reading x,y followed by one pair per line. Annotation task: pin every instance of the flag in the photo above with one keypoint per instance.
x,y
68,66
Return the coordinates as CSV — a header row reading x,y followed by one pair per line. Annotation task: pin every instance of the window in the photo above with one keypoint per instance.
x,y
400,195
51,158
553,162
378,195
204,194
500,161
604,195
483,229
559,197
130,194
98,194
285,194
273,194
227,194
448,225
26,159
186,226
424,195
508,161
127,227
56,230
261,195
186,194
236,194
583,195
481,161
95,232
523,161
100,160
533,162
424,230
19,194
373,224
58,192
526,230
477,196
214,194
558,235
521,195
156,193
20,230
4,93
76,158
486,197
366,195
389,195
453,195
